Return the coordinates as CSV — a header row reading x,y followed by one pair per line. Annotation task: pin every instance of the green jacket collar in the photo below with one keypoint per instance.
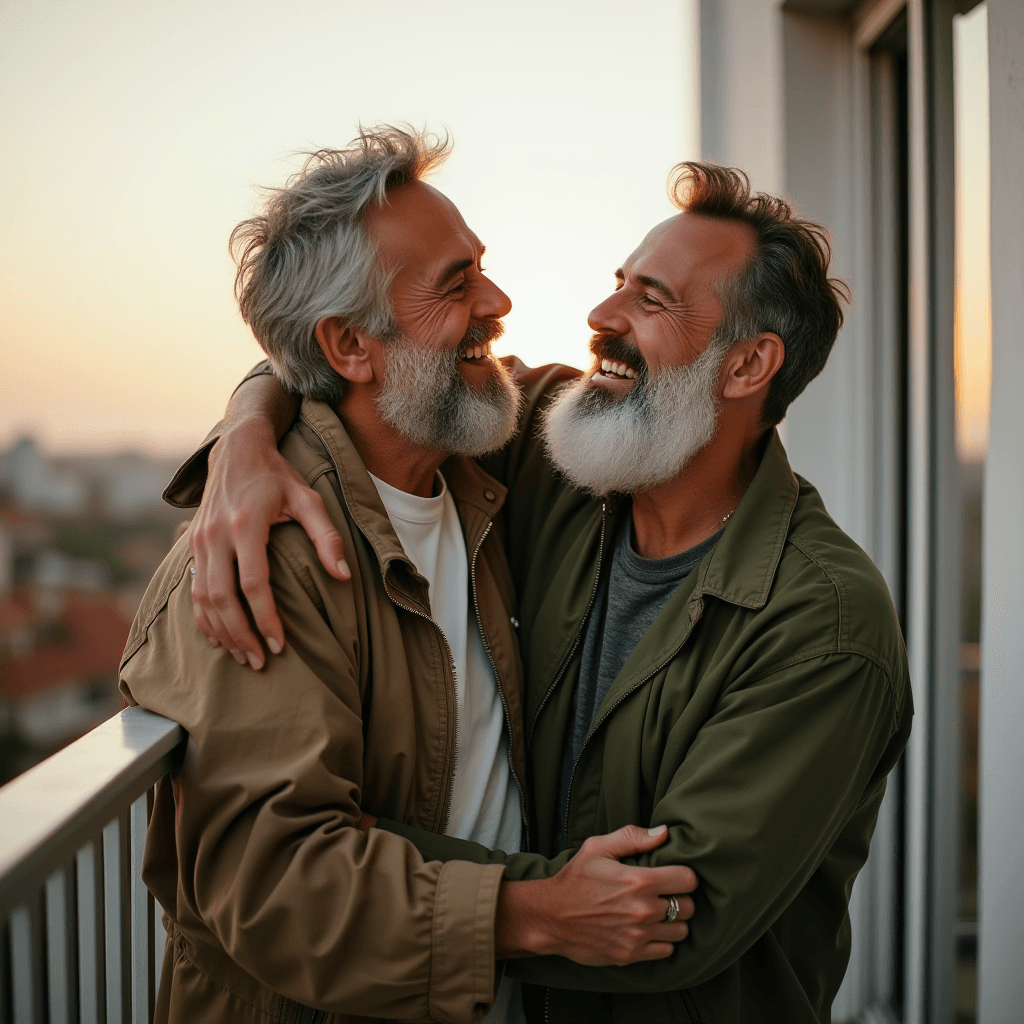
x,y
741,566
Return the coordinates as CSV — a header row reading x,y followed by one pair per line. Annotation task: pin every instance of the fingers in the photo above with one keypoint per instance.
x,y
233,629
652,943
660,910
675,932
655,951
674,878
254,579
628,840
219,614
308,509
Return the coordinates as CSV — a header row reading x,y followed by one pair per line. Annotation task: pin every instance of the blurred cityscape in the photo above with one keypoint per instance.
x,y
80,538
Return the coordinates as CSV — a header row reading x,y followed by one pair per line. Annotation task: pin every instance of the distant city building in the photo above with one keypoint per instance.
x,y
30,479
122,485
80,537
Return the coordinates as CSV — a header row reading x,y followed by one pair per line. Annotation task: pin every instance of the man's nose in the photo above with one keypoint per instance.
x,y
491,302
607,317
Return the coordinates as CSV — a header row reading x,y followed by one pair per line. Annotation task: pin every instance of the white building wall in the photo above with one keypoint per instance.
x,y
1001,769
741,87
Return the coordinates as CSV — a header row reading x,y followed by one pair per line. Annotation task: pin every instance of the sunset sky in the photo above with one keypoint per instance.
x,y
133,135
974,286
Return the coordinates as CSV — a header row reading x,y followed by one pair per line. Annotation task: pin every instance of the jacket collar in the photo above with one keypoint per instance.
x,y
742,565
477,495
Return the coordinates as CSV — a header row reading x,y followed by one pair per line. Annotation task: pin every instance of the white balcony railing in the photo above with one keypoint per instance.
x,y
79,939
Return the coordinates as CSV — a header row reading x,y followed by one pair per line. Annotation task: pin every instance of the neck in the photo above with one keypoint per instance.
x,y
387,454
678,515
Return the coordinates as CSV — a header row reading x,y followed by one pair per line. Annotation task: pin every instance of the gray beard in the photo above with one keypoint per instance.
x,y
604,444
428,401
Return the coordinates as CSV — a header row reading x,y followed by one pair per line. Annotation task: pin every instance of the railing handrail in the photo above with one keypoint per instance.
x,y
49,811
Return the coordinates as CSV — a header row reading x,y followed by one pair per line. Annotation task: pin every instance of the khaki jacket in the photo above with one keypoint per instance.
x,y
275,900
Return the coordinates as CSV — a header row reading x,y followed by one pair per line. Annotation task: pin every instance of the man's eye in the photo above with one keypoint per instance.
x,y
457,289
649,300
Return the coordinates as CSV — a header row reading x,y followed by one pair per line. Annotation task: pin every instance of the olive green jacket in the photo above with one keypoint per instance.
x,y
757,718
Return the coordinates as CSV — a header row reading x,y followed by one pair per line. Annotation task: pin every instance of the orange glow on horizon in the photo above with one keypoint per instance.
x,y
973,300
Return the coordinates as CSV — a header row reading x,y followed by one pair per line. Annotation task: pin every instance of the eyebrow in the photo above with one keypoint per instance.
x,y
651,282
457,266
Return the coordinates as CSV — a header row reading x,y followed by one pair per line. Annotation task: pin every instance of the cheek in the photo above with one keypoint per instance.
x,y
439,323
676,341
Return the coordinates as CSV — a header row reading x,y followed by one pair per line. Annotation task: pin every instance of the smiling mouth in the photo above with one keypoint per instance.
x,y
616,371
476,353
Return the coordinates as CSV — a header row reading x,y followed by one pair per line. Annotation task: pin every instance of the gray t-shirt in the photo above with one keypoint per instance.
x,y
631,597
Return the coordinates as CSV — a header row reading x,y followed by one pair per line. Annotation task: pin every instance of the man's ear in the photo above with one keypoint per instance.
x,y
347,349
752,364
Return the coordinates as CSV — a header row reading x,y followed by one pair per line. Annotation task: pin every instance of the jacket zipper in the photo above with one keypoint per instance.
x,y
444,640
579,633
455,700
597,725
497,681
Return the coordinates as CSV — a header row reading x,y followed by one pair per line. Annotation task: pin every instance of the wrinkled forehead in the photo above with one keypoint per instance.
x,y
419,229
689,250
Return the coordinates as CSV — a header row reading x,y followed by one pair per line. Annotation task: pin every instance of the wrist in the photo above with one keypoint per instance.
x,y
243,437
523,912
250,425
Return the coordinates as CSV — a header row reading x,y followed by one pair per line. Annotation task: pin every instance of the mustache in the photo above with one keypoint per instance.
x,y
480,333
616,348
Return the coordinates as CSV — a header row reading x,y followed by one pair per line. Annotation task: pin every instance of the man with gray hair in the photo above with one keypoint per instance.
x,y
400,689
704,647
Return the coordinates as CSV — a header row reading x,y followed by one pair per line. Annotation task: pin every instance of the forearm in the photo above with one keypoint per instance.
x,y
260,400
522,904
518,866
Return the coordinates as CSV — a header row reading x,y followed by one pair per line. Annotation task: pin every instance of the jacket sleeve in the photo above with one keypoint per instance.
x,y
519,867
764,792
267,802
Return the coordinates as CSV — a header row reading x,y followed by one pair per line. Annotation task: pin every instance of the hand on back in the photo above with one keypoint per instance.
x,y
250,487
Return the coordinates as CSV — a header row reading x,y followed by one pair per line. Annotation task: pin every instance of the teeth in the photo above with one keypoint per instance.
x,y
619,369
478,351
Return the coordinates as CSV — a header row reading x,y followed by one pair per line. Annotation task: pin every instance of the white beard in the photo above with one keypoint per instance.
x,y
428,401
604,444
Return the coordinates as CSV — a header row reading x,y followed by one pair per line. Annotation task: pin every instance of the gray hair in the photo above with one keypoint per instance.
x,y
308,256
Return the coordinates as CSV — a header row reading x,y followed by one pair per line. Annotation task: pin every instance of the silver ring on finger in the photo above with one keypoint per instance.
x,y
673,909
192,572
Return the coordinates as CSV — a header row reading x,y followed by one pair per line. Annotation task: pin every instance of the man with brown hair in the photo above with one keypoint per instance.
x,y
704,648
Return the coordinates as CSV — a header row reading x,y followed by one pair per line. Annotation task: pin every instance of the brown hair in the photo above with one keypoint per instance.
x,y
785,288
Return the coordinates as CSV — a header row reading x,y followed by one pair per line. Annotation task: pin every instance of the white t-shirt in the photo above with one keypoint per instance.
x,y
485,799
485,804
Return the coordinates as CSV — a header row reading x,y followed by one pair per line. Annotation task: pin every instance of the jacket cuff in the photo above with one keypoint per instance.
x,y
462,974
